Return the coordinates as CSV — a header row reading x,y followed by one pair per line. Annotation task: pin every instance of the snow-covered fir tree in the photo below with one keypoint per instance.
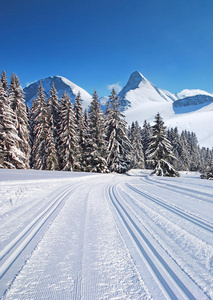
x,y
44,156
11,156
194,152
184,152
4,80
80,130
54,105
85,145
146,135
119,146
137,147
159,152
206,158
67,135
52,157
17,104
174,138
78,112
206,163
96,144
31,127
86,121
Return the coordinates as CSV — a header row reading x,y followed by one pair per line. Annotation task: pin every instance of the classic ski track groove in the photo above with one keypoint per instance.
x,y
78,282
172,286
29,232
178,211
177,189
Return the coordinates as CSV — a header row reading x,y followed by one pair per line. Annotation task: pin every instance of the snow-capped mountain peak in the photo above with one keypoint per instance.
x,y
135,79
139,90
61,84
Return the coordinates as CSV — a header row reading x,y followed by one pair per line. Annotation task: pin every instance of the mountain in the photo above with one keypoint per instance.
x,y
61,84
139,90
190,110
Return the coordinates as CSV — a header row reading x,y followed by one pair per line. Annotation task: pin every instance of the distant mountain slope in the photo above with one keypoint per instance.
x,y
61,84
190,109
190,104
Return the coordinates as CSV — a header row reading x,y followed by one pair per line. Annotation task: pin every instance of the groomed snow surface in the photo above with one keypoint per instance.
x,y
87,236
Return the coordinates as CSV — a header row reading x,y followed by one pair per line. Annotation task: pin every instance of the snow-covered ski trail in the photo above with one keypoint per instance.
x,y
43,216
177,210
106,236
172,281
24,239
180,189
12,251
91,260
191,248
27,234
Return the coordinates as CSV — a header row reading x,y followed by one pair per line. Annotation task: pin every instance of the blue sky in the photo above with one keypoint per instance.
x,y
99,43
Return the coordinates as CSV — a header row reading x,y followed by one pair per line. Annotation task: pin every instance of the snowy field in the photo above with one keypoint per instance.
x,y
107,236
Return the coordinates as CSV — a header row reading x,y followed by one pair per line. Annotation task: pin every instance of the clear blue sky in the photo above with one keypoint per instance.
x,y
95,43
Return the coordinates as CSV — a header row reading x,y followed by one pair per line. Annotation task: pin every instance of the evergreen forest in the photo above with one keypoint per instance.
x,y
55,134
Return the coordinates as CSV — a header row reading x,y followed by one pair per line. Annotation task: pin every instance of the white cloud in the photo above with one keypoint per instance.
x,y
29,83
116,86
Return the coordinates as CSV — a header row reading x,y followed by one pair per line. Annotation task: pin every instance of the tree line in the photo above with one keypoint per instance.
x,y
58,135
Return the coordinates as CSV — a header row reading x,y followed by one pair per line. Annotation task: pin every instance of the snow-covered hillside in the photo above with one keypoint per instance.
x,y
188,110
61,84
93,236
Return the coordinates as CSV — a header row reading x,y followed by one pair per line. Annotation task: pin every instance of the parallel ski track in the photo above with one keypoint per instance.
x,y
204,224
171,285
175,180
189,192
12,251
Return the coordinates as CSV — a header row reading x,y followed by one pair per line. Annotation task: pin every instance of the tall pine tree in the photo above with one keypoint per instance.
x,y
17,103
44,155
119,146
146,135
137,147
159,152
4,81
54,106
10,155
80,130
67,135
184,152
96,161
